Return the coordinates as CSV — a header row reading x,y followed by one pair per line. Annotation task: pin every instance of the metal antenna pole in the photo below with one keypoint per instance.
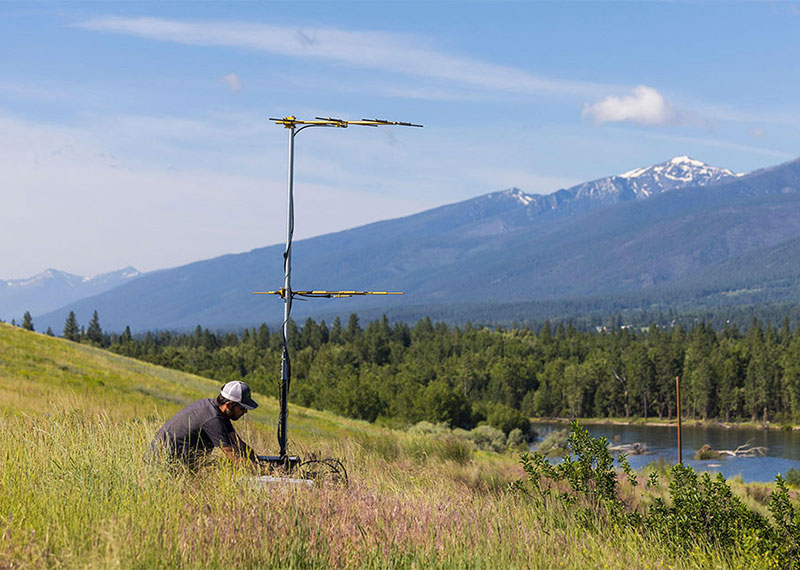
x,y
287,300
291,123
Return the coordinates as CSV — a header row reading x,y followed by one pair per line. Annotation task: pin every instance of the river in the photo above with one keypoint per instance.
x,y
783,447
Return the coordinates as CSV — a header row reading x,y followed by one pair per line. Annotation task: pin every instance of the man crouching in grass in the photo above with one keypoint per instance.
x,y
191,434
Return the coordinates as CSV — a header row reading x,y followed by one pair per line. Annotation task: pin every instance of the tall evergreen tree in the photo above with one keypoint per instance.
x,y
94,333
27,321
71,331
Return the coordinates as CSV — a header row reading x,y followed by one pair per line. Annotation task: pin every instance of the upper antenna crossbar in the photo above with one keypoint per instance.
x,y
292,122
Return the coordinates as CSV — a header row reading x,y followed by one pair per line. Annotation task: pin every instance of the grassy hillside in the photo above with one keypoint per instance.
x,y
75,493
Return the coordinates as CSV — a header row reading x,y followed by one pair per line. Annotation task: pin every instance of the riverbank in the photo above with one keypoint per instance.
x,y
669,423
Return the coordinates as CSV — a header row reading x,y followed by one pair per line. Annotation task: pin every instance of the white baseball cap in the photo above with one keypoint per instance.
x,y
239,392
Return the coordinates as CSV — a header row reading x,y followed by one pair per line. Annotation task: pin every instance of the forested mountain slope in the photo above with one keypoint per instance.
x,y
687,245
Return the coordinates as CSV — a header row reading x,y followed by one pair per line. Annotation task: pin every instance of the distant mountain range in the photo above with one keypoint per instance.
x,y
677,233
52,289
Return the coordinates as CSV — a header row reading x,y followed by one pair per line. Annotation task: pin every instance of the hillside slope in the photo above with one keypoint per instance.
x,y
75,492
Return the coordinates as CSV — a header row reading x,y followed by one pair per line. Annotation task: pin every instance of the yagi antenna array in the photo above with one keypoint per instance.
x,y
295,125
293,122
326,294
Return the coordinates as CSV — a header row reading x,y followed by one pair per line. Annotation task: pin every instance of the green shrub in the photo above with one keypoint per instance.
x,y
442,445
506,419
706,452
792,477
554,444
787,520
516,440
453,448
488,438
428,428
699,511
704,509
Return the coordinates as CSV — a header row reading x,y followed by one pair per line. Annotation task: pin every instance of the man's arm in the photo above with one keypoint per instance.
x,y
222,435
238,450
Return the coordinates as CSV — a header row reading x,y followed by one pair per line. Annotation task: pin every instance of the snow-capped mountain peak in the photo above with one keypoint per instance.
x,y
637,184
687,160
53,288
520,196
683,168
675,173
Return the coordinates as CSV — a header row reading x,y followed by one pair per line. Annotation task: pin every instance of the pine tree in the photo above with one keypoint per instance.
x,y
336,331
71,331
49,332
27,321
95,333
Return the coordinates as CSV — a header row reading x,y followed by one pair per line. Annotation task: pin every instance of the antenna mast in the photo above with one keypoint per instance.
x,y
294,126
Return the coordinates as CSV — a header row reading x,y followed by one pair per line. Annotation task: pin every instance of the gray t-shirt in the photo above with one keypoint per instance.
x,y
194,431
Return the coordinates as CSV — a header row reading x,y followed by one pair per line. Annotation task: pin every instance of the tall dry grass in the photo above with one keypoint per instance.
x,y
76,493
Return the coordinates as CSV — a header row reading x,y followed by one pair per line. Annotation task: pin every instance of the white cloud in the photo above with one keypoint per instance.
x,y
232,80
757,132
645,106
398,53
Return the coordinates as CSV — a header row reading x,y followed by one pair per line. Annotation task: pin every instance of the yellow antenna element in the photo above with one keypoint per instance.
x,y
292,122
326,294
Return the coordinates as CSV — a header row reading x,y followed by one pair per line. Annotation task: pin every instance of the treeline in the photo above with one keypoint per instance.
x,y
398,374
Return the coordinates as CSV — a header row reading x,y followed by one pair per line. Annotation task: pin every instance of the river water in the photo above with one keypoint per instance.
x,y
783,447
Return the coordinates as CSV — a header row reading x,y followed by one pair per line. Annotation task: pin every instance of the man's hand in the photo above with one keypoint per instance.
x,y
239,451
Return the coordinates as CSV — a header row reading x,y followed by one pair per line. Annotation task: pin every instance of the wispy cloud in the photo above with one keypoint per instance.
x,y
716,143
399,53
233,82
67,177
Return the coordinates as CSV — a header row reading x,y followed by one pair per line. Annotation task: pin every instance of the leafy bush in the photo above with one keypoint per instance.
x,y
787,520
442,404
589,473
516,440
428,428
700,510
792,477
488,438
704,509
706,452
507,419
438,440
554,444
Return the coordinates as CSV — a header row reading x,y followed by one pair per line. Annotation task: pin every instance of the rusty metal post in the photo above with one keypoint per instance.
x,y
678,393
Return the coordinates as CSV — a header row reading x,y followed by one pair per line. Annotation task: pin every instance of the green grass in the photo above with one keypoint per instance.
x,y
75,493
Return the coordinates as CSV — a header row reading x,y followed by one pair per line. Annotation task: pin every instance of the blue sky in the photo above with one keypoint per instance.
x,y
137,134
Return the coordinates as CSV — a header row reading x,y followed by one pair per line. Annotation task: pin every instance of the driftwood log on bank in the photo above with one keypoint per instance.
x,y
744,450
635,448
